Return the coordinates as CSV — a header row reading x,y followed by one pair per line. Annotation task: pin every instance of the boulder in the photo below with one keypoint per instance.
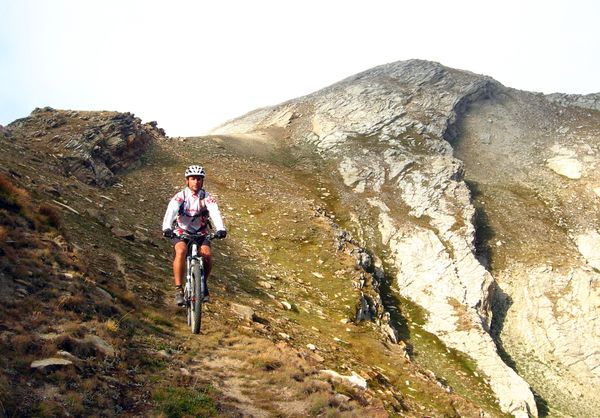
x,y
243,311
51,362
354,379
565,166
288,306
101,345
122,233
589,247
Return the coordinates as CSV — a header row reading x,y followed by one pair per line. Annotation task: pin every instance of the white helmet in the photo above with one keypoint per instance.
x,y
195,170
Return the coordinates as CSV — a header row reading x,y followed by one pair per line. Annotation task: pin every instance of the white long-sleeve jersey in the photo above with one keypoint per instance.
x,y
190,218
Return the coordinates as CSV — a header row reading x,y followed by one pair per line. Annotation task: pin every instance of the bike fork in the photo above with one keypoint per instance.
x,y
200,262
188,279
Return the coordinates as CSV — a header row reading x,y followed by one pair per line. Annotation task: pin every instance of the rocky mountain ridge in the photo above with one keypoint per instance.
x,y
412,241
394,134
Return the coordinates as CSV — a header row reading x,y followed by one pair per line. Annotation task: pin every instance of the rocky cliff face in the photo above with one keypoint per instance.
x,y
535,166
516,270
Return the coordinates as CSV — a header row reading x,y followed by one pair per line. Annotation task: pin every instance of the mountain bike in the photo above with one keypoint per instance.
x,y
195,279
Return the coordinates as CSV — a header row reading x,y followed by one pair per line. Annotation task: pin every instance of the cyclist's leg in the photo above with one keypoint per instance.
x,y
206,254
179,262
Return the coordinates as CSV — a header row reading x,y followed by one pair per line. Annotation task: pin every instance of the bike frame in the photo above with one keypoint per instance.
x,y
195,279
192,256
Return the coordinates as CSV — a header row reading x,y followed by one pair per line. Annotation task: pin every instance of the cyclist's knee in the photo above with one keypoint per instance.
x,y
205,252
180,249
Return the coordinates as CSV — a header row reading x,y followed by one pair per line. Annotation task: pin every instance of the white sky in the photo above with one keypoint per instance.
x,y
191,65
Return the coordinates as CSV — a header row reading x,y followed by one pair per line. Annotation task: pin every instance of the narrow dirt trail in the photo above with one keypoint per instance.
x,y
248,370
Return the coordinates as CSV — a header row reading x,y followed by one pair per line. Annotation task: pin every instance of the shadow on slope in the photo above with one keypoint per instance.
x,y
501,303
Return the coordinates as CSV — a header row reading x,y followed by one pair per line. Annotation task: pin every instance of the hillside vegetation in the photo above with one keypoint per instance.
x,y
86,285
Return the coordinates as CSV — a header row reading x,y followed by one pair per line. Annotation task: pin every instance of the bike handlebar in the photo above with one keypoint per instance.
x,y
208,237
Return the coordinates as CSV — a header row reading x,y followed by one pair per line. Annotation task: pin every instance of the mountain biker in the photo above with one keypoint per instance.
x,y
191,208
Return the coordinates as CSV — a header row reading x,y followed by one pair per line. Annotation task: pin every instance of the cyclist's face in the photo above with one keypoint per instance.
x,y
195,183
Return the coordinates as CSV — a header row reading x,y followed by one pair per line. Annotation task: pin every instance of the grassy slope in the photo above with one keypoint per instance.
x,y
277,241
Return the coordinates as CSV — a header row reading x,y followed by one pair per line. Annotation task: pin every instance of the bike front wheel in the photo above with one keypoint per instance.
x,y
195,305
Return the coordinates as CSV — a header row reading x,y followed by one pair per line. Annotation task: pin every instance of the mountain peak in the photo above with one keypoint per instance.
x,y
415,141
411,229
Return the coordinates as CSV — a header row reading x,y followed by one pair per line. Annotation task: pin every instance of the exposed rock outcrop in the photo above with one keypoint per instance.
x,y
90,146
586,101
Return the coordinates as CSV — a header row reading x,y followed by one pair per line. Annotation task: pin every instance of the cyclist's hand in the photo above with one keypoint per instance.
x,y
221,234
168,233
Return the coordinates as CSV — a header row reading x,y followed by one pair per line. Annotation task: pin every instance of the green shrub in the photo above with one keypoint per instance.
x,y
318,403
47,409
185,402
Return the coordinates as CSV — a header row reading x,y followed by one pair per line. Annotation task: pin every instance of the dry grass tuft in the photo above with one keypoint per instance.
x,y
78,348
75,303
269,360
3,233
318,402
48,408
50,216
74,402
125,296
314,386
26,344
111,325
12,197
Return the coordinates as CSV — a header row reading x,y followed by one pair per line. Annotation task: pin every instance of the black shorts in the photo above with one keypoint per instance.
x,y
175,240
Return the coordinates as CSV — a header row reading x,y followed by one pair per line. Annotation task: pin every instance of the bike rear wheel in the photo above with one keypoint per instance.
x,y
195,305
